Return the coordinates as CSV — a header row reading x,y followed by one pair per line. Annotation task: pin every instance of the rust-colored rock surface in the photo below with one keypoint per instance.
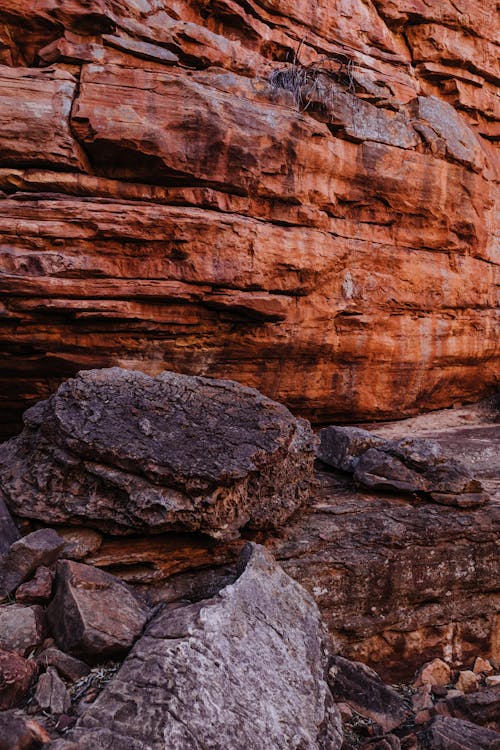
x,y
176,193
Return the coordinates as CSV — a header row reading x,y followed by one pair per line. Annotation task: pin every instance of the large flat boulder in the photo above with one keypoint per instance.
x,y
123,451
243,670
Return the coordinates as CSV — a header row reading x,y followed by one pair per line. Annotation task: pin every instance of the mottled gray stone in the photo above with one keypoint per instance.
x,y
120,451
21,628
244,670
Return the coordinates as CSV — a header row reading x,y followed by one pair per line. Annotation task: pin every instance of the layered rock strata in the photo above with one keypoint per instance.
x,y
293,196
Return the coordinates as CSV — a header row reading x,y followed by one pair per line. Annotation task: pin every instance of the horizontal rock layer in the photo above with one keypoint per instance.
x,y
164,205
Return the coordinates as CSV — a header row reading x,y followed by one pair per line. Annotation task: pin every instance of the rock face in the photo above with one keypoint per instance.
x,y
174,193
405,465
123,451
244,670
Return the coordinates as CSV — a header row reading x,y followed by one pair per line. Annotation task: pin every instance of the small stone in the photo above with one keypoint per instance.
x,y
435,672
21,628
51,694
17,733
68,667
41,547
38,590
439,691
65,722
453,692
80,542
93,613
16,676
346,711
493,680
482,666
422,717
467,681
422,699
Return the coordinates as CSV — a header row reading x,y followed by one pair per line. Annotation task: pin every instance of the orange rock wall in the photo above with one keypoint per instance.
x,y
162,205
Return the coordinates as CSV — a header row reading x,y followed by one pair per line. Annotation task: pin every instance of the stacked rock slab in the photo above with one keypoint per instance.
x,y
124,452
244,670
164,204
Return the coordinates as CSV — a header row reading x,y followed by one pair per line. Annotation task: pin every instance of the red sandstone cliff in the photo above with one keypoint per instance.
x,y
163,205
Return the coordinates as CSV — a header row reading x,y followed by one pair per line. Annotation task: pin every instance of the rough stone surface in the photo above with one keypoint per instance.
x,y
93,613
17,733
221,228
481,707
21,628
467,682
455,734
51,694
405,465
399,580
38,590
16,677
268,687
41,547
364,691
436,672
8,530
125,451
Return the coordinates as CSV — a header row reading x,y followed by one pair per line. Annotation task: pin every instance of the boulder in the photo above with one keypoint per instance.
x,y
363,690
412,465
17,733
467,681
454,734
435,672
92,613
41,547
243,670
38,590
22,628
123,451
16,677
51,695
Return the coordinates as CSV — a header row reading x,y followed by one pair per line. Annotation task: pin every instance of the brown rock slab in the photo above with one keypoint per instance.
x,y
22,628
51,694
362,689
93,614
16,677
38,589
455,734
17,733
67,666
481,707
404,465
151,454
41,547
244,670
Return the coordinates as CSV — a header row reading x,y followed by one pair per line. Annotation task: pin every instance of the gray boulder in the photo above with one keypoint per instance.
x,y
244,670
121,451
410,465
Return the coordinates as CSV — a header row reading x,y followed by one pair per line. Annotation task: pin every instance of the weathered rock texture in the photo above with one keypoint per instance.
x,y
164,205
398,580
244,670
123,451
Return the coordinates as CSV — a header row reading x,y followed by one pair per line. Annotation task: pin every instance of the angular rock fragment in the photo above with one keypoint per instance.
x,y
21,628
41,547
244,670
481,707
120,450
435,672
17,733
93,613
454,734
405,465
38,589
467,681
68,667
51,694
16,677
362,689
